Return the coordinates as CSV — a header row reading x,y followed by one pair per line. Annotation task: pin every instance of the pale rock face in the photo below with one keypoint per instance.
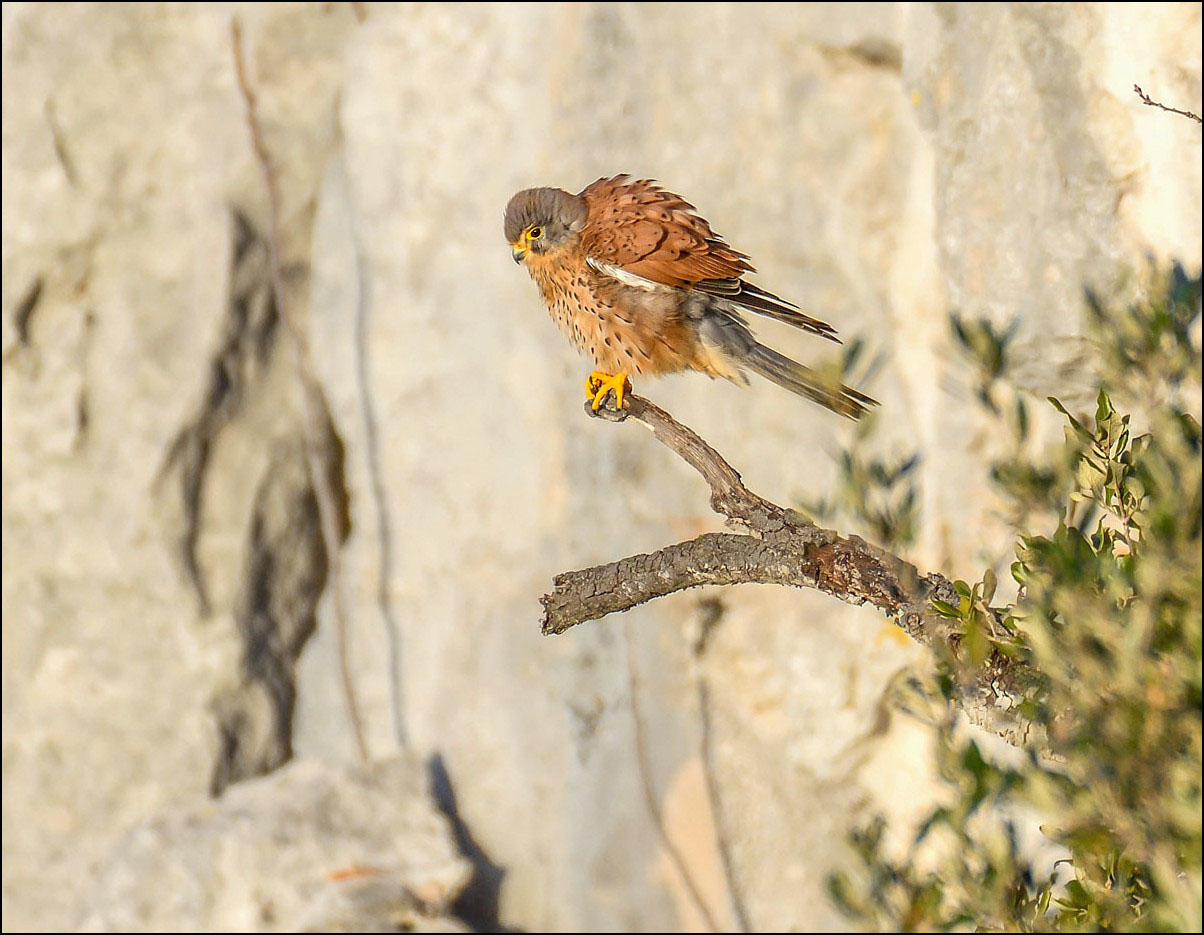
x,y
882,164
311,847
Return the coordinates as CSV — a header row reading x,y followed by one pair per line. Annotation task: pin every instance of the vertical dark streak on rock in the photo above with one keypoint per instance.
x,y
312,396
286,565
285,573
248,338
60,145
380,502
24,309
82,407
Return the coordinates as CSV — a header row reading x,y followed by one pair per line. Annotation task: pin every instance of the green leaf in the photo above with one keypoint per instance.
x,y
1074,423
989,583
945,610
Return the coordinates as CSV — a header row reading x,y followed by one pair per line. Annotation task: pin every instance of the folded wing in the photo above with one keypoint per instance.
x,y
636,230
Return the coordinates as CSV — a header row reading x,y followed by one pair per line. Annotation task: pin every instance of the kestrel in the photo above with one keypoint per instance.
x,y
638,280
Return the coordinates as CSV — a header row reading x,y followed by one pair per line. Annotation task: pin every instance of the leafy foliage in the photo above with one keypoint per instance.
x,y
1108,617
879,493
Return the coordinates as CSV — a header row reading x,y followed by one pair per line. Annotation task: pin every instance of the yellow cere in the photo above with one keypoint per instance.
x,y
523,244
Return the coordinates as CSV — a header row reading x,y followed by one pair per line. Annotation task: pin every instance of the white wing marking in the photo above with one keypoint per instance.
x,y
628,279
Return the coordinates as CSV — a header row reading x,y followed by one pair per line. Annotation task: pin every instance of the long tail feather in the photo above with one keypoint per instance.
x,y
804,381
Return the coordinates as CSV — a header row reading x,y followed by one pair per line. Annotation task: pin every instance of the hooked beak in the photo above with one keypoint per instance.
x,y
519,252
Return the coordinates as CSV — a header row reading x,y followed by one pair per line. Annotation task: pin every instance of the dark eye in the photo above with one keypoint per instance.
x,y
535,233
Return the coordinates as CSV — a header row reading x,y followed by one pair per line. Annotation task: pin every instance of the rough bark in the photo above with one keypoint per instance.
x,y
780,546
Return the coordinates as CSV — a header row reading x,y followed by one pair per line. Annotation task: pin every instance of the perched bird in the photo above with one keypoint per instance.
x,y
637,279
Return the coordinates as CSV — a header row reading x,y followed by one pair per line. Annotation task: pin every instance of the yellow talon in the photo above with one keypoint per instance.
x,y
598,385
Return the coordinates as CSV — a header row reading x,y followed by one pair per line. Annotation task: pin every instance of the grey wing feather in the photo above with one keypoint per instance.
x,y
755,299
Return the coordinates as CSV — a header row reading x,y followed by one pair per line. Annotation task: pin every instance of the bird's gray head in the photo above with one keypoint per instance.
x,y
540,220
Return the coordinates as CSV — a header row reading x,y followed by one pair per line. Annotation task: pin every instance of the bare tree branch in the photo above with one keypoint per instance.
x,y
1145,99
783,547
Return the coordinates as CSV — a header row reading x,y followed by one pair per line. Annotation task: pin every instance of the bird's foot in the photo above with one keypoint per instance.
x,y
599,385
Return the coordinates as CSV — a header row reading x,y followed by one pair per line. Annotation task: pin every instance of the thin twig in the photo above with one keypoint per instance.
x,y
312,401
711,611
650,798
784,548
1145,99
